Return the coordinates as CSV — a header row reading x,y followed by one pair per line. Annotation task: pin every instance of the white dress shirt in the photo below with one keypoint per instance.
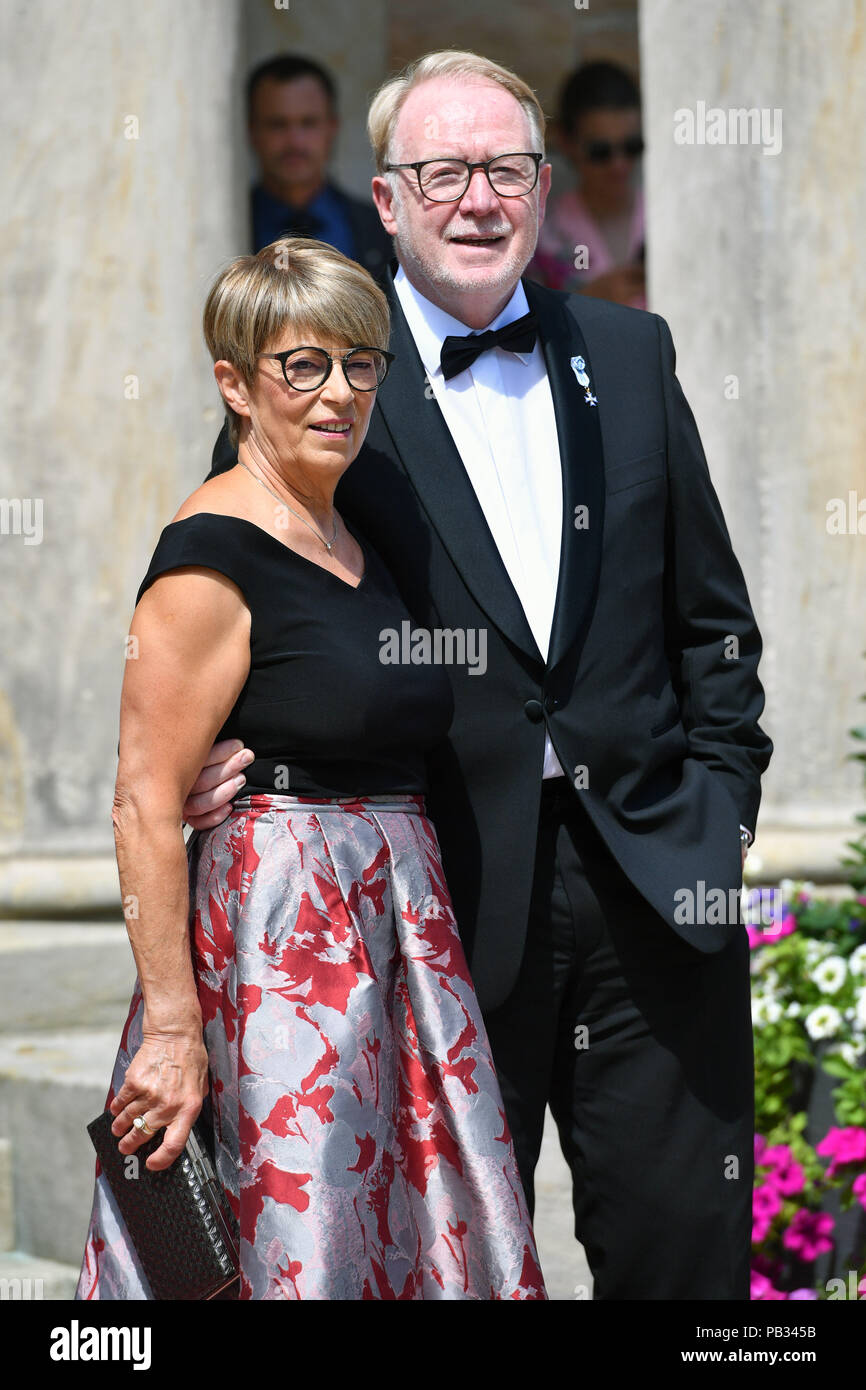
x,y
501,417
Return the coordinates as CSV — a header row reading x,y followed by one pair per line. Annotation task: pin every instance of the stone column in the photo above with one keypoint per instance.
x,y
755,240
124,194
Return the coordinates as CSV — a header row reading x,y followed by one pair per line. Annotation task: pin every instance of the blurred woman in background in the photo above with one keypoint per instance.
x,y
592,238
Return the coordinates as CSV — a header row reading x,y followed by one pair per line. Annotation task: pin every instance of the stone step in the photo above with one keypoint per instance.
x,y
51,1085
64,975
567,1276
27,1277
59,885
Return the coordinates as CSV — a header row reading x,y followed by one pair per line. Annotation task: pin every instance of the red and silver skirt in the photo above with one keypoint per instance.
x,y
360,1135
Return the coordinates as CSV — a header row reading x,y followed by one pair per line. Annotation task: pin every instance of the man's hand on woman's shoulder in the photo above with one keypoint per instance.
x,y
209,800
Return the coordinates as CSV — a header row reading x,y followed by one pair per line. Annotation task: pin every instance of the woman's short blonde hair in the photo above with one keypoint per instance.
x,y
451,62
295,283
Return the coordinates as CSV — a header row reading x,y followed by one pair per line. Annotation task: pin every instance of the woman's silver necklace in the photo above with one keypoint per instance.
x,y
329,545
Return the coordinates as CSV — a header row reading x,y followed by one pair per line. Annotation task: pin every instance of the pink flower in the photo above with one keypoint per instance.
x,y
763,1289
843,1146
774,932
760,1148
766,1202
760,1229
777,930
778,1155
762,1264
808,1235
802,1293
859,1189
785,1174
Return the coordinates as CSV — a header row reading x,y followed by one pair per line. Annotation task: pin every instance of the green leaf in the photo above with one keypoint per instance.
x,y
835,1066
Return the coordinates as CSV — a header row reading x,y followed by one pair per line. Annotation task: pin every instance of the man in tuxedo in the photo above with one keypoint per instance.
x,y
292,124
532,469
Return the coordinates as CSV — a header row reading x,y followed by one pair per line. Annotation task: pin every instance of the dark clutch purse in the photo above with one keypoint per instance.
x,y
184,1232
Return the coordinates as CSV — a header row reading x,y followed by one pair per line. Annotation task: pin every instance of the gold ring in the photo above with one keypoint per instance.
x,y
140,1123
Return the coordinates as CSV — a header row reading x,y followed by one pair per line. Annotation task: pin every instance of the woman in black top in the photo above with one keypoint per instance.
x,y
300,961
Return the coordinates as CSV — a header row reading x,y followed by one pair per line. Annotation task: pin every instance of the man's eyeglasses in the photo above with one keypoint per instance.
x,y
446,180
603,151
308,368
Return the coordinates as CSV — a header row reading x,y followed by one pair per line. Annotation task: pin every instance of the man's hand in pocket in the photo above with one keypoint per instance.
x,y
209,800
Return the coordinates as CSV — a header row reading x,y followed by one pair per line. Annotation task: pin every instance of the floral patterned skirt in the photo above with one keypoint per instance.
x,y
359,1131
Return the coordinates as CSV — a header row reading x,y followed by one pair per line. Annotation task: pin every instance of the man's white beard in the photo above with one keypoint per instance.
x,y
447,277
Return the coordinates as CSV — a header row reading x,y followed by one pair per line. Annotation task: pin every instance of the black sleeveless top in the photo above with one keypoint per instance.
x,y
320,710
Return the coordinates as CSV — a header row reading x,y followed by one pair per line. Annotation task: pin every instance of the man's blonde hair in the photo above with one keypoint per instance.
x,y
294,284
453,63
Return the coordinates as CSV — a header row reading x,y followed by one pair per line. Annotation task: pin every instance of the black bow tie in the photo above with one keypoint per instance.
x,y
458,353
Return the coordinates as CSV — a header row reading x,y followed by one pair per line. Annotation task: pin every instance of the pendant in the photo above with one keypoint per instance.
x,y
578,366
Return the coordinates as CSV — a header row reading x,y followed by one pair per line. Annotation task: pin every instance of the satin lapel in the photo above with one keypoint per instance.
x,y
580,452
429,455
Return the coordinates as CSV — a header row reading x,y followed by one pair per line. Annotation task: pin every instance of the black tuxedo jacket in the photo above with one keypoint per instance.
x,y
373,246
650,689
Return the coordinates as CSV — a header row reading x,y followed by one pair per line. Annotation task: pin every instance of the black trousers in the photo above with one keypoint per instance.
x,y
642,1046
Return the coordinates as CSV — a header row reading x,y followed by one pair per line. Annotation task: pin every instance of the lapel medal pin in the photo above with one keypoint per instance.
x,y
578,366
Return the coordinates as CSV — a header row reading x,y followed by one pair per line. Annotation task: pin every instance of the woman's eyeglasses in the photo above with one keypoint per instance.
x,y
308,368
603,151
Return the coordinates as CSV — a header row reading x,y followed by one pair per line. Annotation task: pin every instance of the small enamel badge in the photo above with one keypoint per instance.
x,y
578,366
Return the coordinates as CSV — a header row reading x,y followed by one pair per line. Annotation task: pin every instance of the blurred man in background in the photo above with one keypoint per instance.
x,y
292,123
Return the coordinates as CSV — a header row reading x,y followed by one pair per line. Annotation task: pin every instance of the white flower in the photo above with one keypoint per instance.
x,y
849,1052
860,1014
823,1022
787,887
765,1009
857,960
760,964
815,951
829,976
793,1010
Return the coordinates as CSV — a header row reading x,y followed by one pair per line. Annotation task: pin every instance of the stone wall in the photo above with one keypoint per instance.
x,y
756,261
120,169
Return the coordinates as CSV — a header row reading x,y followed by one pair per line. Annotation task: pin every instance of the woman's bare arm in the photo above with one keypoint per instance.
x,y
191,662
